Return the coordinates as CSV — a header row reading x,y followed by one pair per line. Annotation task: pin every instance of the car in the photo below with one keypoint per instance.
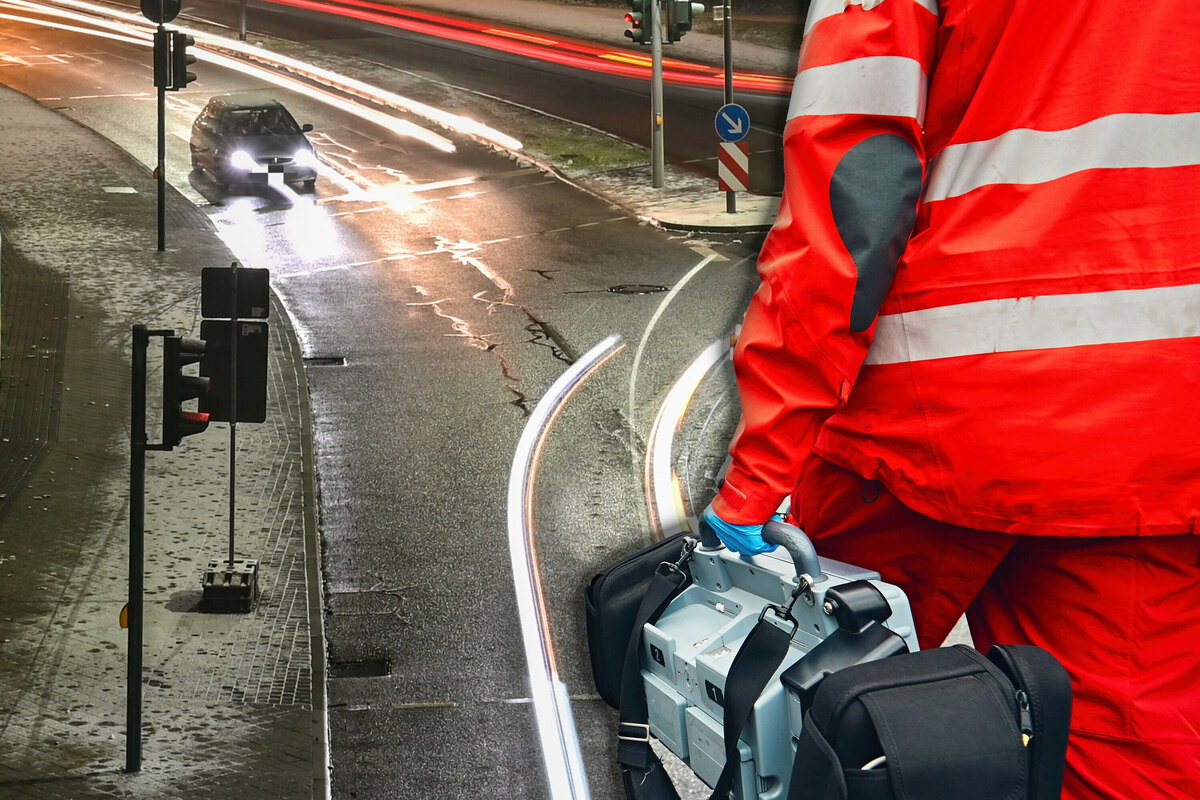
x,y
246,138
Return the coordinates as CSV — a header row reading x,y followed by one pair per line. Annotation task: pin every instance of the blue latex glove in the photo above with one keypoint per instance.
x,y
744,539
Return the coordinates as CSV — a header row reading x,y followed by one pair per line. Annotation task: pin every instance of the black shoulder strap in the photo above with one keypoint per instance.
x,y
756,661
642,772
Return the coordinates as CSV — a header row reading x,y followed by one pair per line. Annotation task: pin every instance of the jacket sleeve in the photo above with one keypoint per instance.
x,y
853,165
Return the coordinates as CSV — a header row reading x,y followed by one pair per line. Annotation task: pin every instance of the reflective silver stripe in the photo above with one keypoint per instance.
x,y
1027,156
882,85
1038,323
821,9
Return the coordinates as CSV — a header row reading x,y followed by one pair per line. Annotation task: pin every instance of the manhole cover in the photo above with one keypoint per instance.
x,y
369,668
637,288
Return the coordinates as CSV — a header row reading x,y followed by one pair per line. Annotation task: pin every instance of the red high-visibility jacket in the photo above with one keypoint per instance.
x,y
983,287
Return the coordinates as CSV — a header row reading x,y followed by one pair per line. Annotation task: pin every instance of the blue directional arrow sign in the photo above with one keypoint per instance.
x,y
733,122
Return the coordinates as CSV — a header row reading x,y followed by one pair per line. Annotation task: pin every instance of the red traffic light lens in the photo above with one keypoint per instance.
x,y
194,416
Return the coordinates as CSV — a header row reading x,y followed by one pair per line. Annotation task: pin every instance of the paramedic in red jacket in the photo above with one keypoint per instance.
x,y
974,358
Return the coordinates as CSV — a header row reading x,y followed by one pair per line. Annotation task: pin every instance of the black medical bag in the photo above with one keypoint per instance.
x,y
938,725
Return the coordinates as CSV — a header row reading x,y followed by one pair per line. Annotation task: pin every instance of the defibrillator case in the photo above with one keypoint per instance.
x,y
843,615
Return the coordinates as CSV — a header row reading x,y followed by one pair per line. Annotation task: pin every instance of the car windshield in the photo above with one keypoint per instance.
x,y
260,122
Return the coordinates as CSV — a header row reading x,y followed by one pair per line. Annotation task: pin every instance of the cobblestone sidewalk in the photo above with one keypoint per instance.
x,y
229,705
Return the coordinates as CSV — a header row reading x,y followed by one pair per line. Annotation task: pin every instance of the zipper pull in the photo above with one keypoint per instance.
x,y
1025,716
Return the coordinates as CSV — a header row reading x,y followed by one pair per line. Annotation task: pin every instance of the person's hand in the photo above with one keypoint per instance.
x,y
744,539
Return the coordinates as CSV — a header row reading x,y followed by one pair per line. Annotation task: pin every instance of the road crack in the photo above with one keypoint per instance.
x,y
384,586
480,341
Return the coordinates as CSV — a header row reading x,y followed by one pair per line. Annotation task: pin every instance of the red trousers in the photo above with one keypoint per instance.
x,y
1122,614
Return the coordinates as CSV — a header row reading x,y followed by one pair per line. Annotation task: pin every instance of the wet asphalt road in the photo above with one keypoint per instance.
x,y
434,310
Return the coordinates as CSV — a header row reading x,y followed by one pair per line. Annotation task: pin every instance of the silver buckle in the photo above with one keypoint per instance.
x,y
645,737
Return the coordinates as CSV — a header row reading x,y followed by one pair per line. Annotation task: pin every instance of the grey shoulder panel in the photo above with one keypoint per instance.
x,y
873,197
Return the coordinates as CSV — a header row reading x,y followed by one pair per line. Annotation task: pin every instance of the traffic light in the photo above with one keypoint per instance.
x,y
162,58
637,18
181,59
178,388
680,14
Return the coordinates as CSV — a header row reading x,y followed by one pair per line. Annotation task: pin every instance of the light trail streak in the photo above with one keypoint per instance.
x,y
400,127
126,38
135,31
138,34
637,61
712,412
133,24
637,360
454,122
560,50
552,706
525,37
668,515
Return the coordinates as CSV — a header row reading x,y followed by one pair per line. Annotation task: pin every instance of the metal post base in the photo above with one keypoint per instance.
x,y
229,590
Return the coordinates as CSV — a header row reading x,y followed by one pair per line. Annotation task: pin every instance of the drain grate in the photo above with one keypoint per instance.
x,y
367,668
325,361
637,288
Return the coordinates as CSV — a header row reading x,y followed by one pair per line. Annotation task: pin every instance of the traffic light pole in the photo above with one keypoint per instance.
x,y
137,543
657,167
137,550
161,171
171,60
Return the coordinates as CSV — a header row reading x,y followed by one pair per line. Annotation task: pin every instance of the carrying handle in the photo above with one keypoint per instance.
x,y
778,532
798,545
708,537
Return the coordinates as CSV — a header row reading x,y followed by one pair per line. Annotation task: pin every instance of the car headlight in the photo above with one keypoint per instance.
x,y
305,158
243,160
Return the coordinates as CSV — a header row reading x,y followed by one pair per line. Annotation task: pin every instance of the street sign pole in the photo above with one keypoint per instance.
x,y
233,371
236,360
656,96
658,166
730,197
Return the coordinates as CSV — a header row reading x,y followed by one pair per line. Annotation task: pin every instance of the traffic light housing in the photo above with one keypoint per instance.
x,y
178,388
637,18
162,59
680,14
181,59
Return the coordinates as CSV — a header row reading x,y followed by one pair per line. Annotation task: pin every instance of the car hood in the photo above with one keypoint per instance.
x,y
275,145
